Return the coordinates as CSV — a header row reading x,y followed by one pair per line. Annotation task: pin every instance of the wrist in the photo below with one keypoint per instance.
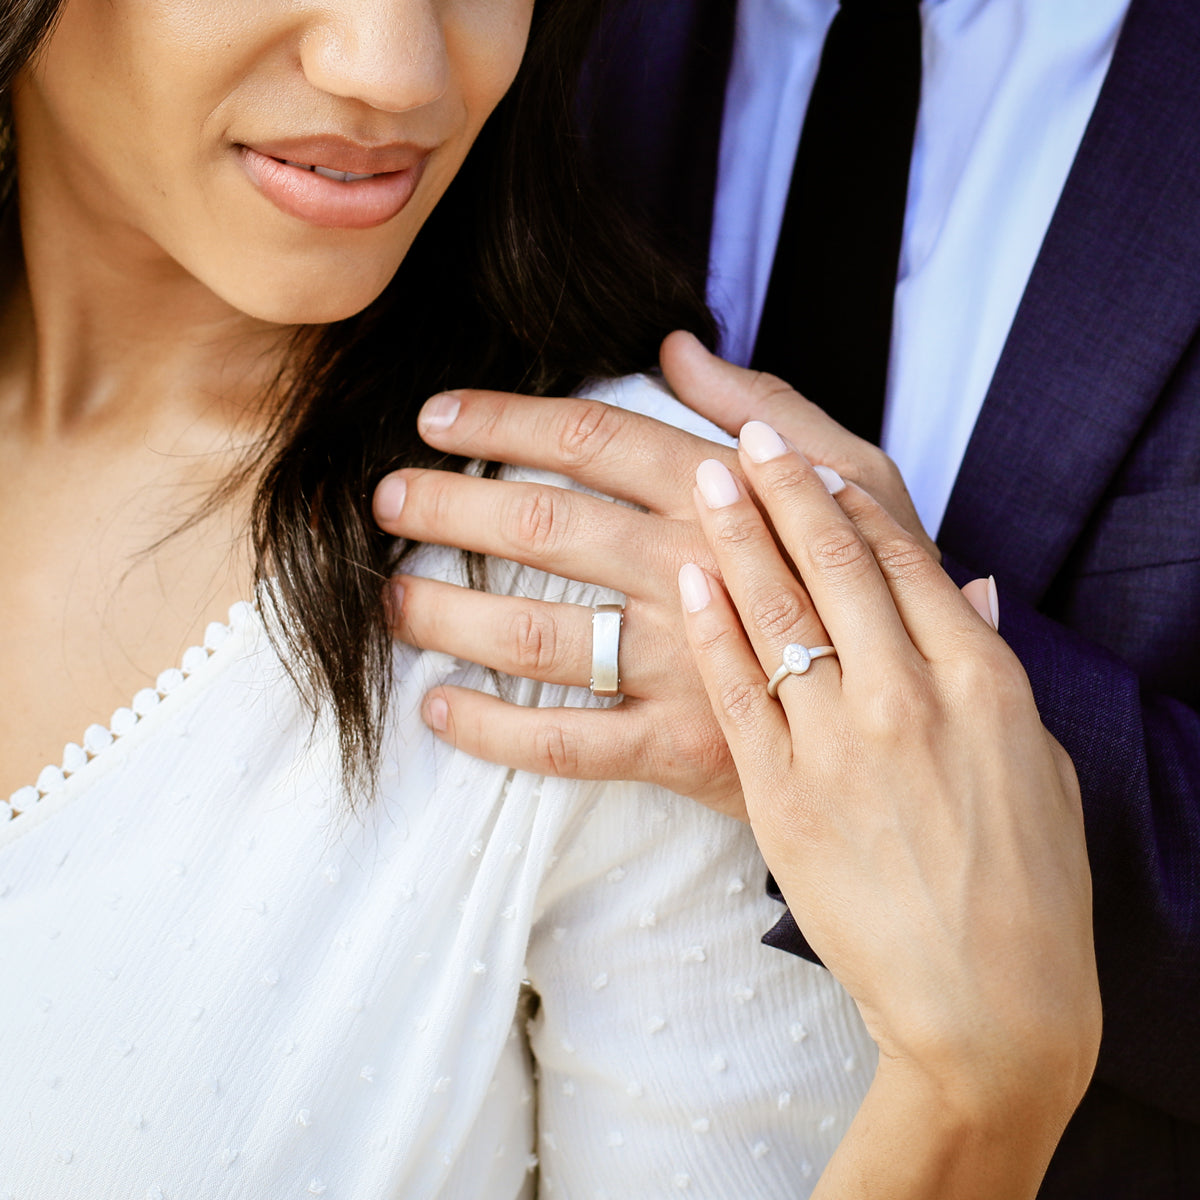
x,y
917,1138
973,1103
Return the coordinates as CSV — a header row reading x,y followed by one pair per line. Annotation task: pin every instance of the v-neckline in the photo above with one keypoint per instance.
x,y
84,760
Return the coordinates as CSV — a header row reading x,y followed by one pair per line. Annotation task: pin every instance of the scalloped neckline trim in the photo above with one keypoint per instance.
x,y
98,740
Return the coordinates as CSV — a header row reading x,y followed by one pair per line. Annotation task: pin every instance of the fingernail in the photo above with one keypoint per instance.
x,y
993,602
761,442
438,413
830,478
693,587
716,484
389,498
437,713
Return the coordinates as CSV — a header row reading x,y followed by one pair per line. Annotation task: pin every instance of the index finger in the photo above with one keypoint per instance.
x,y
622,454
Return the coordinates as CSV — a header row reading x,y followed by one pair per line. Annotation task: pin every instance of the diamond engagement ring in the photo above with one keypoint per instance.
x,y
606,645
796,660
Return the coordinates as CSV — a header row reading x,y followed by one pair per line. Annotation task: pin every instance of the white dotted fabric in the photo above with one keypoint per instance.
x,y
220,983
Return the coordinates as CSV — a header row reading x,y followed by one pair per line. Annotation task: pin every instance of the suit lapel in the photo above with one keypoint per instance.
x,y
1113,301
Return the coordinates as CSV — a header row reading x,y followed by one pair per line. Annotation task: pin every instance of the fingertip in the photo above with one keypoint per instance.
x,y
683,341
716,484
694,588
438,413
435,712
687,362
388,502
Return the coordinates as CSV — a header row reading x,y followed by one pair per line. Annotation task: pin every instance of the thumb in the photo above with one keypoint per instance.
x,y
729,395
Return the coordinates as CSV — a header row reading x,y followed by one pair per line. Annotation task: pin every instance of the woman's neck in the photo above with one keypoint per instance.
x,y
129,395
99,329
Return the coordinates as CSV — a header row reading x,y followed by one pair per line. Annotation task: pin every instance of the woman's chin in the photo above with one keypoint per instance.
x,y
303,297
304,306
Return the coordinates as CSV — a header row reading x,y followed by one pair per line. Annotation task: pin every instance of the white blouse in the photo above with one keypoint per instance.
x,y
216,980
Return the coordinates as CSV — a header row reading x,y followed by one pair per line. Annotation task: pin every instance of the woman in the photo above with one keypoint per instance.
x,y
263,935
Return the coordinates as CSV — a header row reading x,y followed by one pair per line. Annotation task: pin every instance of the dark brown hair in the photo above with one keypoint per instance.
x,y
524,278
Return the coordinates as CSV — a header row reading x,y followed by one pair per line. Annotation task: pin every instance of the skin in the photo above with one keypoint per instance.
x,y
664,731
925,828
146,300
149,290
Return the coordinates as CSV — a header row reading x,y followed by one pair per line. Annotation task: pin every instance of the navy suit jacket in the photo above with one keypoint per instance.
x,y
1080,491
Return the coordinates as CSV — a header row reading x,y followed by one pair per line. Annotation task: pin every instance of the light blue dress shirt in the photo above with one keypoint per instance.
x,y
1007,90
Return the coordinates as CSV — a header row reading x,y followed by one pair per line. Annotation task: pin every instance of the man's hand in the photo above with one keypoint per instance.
x,y
664,731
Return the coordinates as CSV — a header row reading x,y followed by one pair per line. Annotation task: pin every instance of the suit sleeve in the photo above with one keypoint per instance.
x,y
1138,759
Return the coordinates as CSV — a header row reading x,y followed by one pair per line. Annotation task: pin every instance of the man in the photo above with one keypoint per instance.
x,y
1048,308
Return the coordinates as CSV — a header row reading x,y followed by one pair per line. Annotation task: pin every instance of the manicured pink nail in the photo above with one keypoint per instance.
x,y
830,478
993,602
438,413
438,714
761,442
716,484
693,587
389,498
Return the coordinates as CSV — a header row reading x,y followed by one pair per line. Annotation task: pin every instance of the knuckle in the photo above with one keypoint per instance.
x,y
537,520
901,705
587,430
777,613
534,642
767,390
1005,679
740,699
733,535
556,752
715,643
902,558
839,550
990,676
871,463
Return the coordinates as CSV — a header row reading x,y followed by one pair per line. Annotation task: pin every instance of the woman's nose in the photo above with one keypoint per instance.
x,y
391,54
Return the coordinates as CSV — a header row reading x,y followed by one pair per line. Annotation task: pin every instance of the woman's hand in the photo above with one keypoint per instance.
x,y
923,825
664,732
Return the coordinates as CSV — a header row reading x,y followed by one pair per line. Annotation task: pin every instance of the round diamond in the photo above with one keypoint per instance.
x,y
796,658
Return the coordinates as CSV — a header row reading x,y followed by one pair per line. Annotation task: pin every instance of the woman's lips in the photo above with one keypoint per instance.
x,y
380,182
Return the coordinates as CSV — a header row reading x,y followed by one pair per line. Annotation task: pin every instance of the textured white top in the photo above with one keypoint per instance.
x,y
217,982
1006,91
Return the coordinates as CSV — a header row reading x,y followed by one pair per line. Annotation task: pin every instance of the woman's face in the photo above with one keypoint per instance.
x,y
191,127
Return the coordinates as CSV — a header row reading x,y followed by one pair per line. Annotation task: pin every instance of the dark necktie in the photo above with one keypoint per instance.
x,y
827,323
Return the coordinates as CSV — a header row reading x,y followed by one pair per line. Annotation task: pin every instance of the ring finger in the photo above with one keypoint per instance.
x,y
773,604
534,639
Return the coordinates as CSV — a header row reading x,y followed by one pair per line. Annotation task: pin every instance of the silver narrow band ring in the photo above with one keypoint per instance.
x,y
606,649
796,660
